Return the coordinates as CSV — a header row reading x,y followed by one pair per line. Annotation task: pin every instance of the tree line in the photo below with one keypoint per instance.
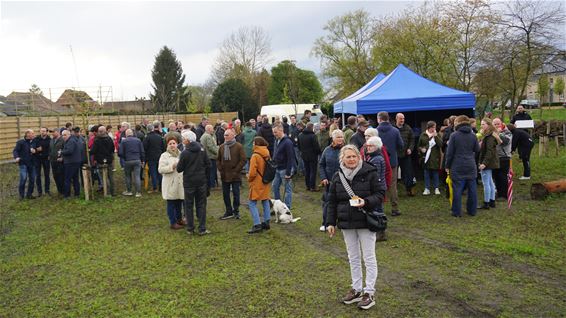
x,y
490,48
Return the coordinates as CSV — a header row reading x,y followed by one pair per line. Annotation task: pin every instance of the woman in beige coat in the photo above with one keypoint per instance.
x,y
172,183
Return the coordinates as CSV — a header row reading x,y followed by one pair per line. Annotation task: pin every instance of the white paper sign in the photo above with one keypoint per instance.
x,y
525,124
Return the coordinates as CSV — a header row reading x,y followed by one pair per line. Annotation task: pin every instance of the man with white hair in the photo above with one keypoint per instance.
x,y
132,152
72,160
23,155
208,141
195,166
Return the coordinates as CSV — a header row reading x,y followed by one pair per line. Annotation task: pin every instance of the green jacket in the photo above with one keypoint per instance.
x,y
488,153
408,140
348,133
208,141
323,138
248,141
433,162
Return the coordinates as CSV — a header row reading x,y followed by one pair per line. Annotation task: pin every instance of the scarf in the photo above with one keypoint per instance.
x,y
351,173
227,146
173,153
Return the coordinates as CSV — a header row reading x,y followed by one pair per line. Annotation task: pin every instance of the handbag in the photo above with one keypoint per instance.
x,y
377,221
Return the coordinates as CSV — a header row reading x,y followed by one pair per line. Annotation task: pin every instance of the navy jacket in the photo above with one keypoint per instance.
x,y
392,140
131,148
284,155
154,146
461,153
73,150
44,144
22,150
329,162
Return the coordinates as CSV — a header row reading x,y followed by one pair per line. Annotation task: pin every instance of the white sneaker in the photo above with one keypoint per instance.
x,y
322,228
128,193
525,178
436,191
426,192
138,195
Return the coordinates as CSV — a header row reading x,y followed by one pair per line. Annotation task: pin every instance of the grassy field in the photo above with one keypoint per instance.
x,y
118,258
548,113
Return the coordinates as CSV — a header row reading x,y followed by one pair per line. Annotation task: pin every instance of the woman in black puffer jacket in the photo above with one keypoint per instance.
x,y
364,181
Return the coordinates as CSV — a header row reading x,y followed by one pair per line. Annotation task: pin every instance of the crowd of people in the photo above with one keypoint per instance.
x,y
357,167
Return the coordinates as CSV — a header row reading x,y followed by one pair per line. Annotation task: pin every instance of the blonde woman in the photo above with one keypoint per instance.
x,y
345,211
488,161
172,183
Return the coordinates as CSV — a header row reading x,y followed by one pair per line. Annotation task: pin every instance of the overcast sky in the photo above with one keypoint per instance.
x,y
115,43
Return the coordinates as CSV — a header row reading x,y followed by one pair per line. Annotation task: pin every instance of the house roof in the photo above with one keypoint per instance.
x,y
31,102
72,98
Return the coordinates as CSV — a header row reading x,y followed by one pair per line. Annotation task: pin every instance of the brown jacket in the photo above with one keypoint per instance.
x,y
258,189
230,171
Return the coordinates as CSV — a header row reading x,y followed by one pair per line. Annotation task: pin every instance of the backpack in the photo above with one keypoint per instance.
x,y
269,171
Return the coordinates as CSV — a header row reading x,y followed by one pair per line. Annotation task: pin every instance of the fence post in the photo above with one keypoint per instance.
x,y
18,127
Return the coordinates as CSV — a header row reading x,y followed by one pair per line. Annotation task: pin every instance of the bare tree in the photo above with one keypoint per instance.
x,y
473,25
530,30
249,48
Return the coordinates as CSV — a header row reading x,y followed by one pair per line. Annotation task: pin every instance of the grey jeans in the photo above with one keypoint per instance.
x,y
132,168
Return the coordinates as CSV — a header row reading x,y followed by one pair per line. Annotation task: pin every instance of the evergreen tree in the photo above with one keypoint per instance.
x,y
234,95
169,93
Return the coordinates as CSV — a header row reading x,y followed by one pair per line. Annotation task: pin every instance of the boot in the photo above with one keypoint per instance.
x,y
485,206
255,229
380,236
492,204
265,225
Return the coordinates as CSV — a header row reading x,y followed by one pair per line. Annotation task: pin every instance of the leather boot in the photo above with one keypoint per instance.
x,y
255,229
492,203
485,206
265,225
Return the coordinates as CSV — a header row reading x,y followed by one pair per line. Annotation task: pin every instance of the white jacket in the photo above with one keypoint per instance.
x,y
172,181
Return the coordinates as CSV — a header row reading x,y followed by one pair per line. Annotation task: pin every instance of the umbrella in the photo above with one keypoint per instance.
x,y
449,184
510,186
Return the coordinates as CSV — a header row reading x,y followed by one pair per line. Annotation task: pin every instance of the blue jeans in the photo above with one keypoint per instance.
x,y
154,174
42,164
212,175
488,185
247,165
288,183
458,187
255,212
27,173
72,172
174,208
428,173
132,169
235,207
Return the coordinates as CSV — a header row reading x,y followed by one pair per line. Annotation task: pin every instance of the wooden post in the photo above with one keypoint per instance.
x,y
564,133
557,145
18,127
104,169
539,191
86,181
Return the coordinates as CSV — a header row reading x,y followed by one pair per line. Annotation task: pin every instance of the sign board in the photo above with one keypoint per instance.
x,y
525,124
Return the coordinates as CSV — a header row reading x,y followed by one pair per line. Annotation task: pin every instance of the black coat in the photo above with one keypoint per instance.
x,y
358,139
154,146
200,131
103,148
266,131
308,145
521,140
366,184
44,144
195,165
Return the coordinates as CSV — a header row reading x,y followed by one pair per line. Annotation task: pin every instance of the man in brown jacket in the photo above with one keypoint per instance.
x,y
231,159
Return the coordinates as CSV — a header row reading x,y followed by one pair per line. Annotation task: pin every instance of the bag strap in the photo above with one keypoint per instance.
x,y
348,188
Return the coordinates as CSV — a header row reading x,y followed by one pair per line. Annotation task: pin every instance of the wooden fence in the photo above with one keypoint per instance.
x,y
13,128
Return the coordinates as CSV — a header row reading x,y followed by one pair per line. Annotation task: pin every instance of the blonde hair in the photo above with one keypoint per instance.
x,y
346,148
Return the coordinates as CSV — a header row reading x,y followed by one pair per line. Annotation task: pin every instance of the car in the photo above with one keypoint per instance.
x,y
529,103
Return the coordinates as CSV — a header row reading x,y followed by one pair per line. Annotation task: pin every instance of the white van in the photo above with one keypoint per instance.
x,y
280,110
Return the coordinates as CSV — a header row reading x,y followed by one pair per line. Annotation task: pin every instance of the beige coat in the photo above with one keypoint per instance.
x,y
172,181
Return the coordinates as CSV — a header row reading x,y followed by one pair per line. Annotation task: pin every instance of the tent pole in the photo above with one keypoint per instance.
x,y
343,120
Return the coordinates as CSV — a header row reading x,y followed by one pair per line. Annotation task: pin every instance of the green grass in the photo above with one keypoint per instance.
x,y
548,113
118,258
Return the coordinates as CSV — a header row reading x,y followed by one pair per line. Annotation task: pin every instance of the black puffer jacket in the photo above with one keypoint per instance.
x,y
195,165
366,185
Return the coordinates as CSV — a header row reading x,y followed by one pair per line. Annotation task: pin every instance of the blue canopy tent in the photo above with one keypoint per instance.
x,y
404,91
348,104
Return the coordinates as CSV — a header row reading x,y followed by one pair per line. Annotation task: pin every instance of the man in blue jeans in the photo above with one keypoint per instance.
x,y
23,155
72,160
284,157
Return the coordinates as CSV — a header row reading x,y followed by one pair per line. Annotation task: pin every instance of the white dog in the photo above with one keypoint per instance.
x,y
282,212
